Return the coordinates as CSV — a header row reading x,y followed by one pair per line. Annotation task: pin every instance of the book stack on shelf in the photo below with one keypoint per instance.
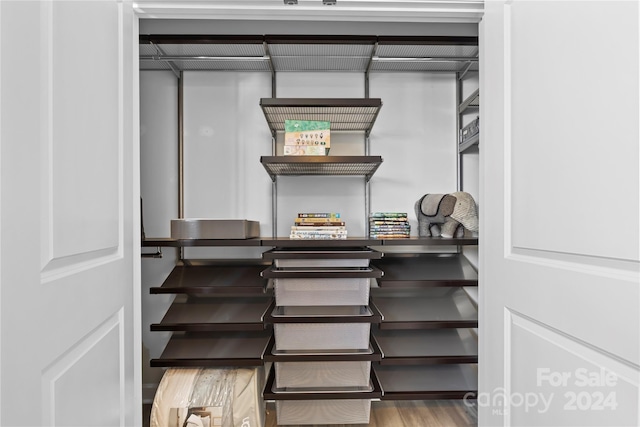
x,y
306,138
318,225
386,225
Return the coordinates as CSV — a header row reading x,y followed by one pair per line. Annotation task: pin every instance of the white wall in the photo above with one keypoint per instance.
x,y
159,190
323,193
415,134
225,133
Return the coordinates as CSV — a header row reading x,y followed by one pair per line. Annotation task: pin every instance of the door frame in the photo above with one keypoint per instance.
x,y
422,11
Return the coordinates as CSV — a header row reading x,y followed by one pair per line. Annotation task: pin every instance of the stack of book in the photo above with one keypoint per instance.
x,y
385,225
307,138
318,225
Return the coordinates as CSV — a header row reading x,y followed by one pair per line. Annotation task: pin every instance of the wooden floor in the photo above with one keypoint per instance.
x,y
406,413
401,413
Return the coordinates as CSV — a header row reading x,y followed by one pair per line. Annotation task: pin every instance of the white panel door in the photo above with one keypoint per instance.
x,y
69,214
559,293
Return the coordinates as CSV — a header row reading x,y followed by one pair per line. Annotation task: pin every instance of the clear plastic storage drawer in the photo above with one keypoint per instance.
x,y
304,328
330,411
291,376
312,291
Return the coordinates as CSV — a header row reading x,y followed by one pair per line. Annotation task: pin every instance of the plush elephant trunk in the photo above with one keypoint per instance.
x,y
465,211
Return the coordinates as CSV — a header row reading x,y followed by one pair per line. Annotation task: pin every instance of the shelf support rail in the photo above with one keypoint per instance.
x,y
368,70
458,125
171,64
367,185
267,54
156,254
465,70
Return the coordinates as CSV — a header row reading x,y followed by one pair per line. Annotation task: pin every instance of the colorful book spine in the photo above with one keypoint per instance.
x,y
313,219
389,225
388,215
318,215
319,236
318,229
403,229
320,224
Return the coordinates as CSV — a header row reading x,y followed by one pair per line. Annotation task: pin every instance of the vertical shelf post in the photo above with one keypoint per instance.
x,y
180,253
274,192
458,126
367,189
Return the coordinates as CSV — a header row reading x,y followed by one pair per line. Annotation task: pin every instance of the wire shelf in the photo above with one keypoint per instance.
x,y
321,165
344,114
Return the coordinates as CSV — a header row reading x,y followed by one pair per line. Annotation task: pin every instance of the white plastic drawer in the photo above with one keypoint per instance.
x,y
330,411
334,374
316,292
322,337
285,263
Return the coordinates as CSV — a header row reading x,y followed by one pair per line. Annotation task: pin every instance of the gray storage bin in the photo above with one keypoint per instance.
x,y
205,228
318,292
285,263
330,411
322,337
334,374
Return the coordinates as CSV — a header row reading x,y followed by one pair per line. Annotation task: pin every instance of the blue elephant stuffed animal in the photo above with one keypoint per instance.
x,y
446,215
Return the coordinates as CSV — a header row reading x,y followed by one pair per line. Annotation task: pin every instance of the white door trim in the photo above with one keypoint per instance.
x,y
468,11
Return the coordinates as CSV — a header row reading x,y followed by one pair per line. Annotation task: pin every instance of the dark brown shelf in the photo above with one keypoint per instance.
x,y
427,382
427,346
429,308
428,241
345,114
375,355
322,253
216,314
322,314
349,242
214,349
426,270
321,165
269,394
285,242
177,243
230,278
322,272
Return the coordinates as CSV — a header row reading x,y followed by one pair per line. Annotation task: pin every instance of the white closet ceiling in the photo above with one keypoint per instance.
x,y
273,53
